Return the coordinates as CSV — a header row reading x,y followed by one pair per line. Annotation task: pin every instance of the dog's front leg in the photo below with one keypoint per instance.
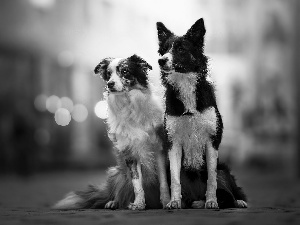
x,y
212,161
175,155
162,175
137,182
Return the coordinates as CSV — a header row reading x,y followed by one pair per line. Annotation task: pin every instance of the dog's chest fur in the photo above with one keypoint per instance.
x,y
133,118
186,85
192,129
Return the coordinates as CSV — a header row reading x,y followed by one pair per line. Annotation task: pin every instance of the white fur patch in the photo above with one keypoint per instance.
x,y
114,76
69,202
193,133
139,199
169,57
175,155
209,79
241,204
133,117
211,161
186,84
138,186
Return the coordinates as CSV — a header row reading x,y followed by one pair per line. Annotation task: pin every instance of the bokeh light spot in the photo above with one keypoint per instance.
x,y
101,109
42,3
79,113
62,117
53,103
40,103
67,103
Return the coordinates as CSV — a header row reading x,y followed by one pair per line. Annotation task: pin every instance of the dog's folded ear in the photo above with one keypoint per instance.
x,y
138,60
196,33
102,67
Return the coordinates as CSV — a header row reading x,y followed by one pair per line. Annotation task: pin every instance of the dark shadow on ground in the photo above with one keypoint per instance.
x,y
274,198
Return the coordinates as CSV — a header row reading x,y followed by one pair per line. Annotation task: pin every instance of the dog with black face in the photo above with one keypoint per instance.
x,y
135,125
192,119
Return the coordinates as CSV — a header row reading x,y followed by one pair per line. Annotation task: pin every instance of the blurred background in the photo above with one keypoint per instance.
x,y
50,102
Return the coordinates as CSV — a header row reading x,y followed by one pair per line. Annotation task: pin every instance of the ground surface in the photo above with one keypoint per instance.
x,y
274,199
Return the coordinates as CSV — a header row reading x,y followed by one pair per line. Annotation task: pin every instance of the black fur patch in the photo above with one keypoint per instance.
x,y
217,138
194,186
101,68
165,38
132,165
187,50
174,106
138,69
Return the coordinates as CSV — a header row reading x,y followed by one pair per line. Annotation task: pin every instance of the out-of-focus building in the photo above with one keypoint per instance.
x,y
49,48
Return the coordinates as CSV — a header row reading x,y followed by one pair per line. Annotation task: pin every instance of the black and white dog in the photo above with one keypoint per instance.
x,y
135,124
192,120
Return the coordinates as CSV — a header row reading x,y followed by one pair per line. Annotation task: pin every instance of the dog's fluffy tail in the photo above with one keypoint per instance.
x,y
93,196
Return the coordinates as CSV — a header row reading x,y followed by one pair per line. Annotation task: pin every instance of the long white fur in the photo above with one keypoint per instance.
x,y
132,118
186,83
192,133
71,201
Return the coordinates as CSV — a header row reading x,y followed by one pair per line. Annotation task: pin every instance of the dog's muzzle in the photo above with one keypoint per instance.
x,y
111,86
162,62
165,62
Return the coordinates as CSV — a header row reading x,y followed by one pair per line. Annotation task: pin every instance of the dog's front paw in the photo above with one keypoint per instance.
x,y
241,204
174,204
111,205
211,204
137,206
165,199
198,204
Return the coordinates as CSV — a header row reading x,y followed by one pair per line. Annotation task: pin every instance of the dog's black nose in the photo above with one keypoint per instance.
x,y
162,61
110,84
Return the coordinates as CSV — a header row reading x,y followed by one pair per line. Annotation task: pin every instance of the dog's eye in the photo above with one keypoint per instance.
x,y
125,71
181,49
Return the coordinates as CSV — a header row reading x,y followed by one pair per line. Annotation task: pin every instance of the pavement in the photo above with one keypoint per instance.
x,y
274,198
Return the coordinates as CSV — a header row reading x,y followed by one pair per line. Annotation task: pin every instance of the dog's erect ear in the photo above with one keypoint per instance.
x,y
163,35
138,60
102,67
196,33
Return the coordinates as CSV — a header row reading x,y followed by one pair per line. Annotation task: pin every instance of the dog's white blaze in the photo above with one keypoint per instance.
x,y
186,84
114,76
193,133
169,57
